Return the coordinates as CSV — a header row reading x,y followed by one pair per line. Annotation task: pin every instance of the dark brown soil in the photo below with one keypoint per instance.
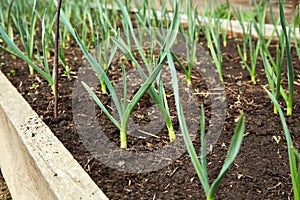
x,y
261,170
4,192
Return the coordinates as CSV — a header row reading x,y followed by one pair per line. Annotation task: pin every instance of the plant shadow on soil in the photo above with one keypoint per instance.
x,y
260,171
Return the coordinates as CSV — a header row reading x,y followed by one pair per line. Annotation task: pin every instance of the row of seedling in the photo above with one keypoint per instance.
x,y
92,32
99,26
152,74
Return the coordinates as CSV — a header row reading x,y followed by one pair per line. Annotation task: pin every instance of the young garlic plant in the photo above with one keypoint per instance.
x,y
253,53
105,28
201,165
273,68
27,31
211,33
294,157
13,48
124,109
158,96
191,38
287,37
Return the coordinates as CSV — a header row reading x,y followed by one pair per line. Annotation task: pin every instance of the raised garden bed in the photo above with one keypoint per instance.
x,y
33,161
260,171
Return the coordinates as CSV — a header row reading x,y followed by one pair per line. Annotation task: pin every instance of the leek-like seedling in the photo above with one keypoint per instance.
x,y
61,56
87,29
241,20
9,27
280,50
295,158
253,53
45,45
157,21
211,32
158,97
45,72
191,38
273,68
213,41
124,109
295,26
227,17
103,43
287,36
259,24
221,11
27,32
293,155
2,23
261,11
65,35
201,165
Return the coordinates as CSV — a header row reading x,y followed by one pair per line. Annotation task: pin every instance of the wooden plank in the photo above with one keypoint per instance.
x,y
34,163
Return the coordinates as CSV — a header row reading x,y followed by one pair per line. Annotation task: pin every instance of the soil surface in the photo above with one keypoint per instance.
x,y
4,192
260,171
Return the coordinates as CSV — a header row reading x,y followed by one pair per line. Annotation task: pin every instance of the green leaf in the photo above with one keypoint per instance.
x,y
233,150
142,90
289,60
203,145
184,130
20,54
96,66
100,104
292,162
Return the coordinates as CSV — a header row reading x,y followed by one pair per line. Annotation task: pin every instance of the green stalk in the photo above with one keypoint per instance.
x,y
261,14
103,43
279,56
190,37
272,68
290,68
241,20
294,27
212,38
158,97
25,58
172,135
31,35
9,27
203,145
201,166
253,54
123,134
225,31
27,32
213,41
279,63
295,175
124,110
123,137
